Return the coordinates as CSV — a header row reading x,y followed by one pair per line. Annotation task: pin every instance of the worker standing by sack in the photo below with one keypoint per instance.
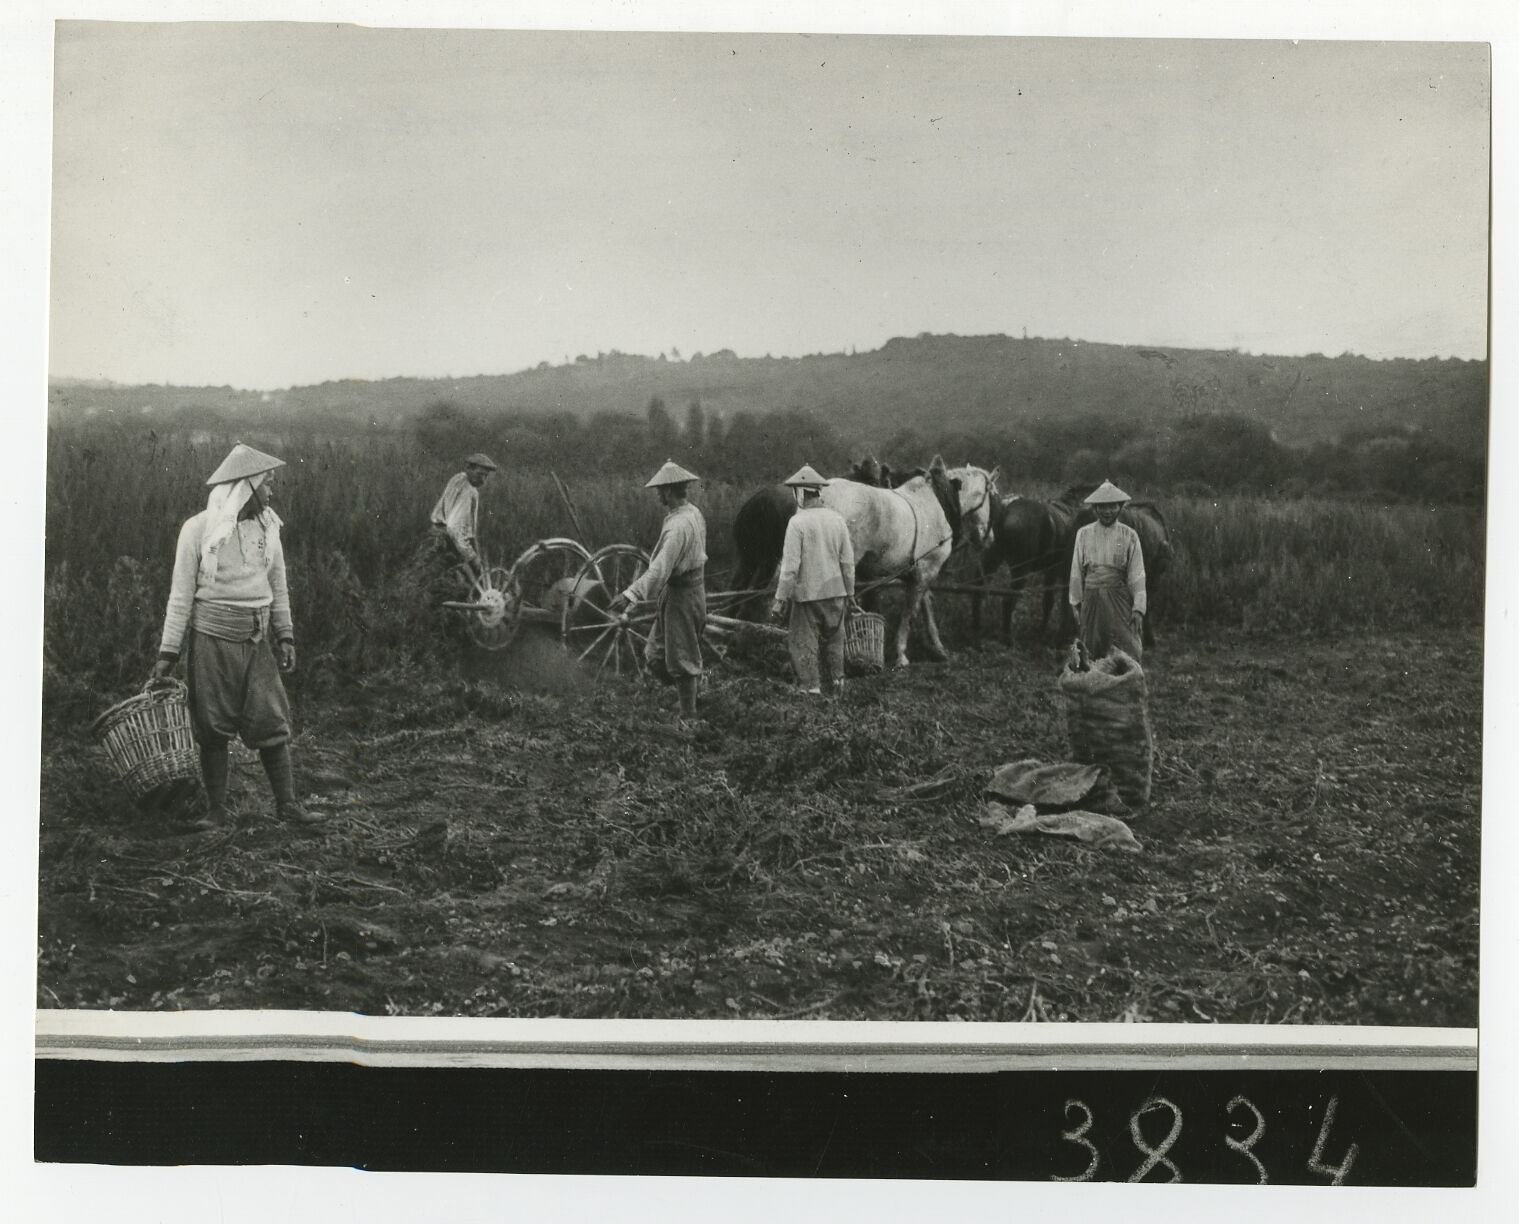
x,y
1107,591
816,579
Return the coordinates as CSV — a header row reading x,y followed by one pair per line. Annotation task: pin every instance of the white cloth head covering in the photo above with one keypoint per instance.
x,y
223,506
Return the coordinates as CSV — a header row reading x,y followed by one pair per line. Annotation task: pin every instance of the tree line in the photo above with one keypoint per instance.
x,y
1200,452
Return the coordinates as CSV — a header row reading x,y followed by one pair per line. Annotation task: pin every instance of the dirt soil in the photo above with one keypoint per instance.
x,y
517,841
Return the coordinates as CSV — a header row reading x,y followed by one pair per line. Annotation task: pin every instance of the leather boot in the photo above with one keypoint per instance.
x,y
214,767
685,688
277,765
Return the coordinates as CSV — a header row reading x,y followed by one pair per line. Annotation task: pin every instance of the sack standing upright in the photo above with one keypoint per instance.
x,y
1108,722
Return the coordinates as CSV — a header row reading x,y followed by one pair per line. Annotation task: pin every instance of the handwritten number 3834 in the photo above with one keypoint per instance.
x,y
1157,1156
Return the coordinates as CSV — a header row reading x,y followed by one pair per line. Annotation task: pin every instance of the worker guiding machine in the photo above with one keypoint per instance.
x,y
675,583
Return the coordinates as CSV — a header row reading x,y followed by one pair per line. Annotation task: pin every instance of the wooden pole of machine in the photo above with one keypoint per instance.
x,y
570,506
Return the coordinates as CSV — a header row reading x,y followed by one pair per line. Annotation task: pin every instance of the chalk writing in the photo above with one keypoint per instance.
x,y
1155,1156
1243,1146
1158,1155
1316,1163
1077,1134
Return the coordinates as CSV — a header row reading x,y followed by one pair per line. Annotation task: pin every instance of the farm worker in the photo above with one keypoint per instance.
x,y
675,580
1108,578
227,601
816,578
455,518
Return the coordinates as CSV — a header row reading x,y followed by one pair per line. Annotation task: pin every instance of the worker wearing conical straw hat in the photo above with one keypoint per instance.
x,y
675,583
816,582
1107,590
228,598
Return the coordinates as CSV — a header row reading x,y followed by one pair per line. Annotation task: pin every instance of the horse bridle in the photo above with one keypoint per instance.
x,y
986,496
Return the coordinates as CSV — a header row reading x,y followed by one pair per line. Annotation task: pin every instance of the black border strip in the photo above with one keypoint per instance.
x,y
1388,1128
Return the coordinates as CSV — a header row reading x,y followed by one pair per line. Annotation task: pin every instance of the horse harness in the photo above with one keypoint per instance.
x,y
913,510
914,552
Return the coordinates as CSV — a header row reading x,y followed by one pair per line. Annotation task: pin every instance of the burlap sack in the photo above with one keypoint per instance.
x,y
1108,721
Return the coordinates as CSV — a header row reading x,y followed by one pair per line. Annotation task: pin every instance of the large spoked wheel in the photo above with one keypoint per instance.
x,y
601,639
543,580
493,623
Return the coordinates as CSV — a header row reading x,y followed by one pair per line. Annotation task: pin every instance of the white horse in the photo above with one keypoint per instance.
x,y
909,532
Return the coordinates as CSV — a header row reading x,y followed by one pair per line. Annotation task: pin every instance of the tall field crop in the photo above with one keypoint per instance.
x,y
356,509
1306,564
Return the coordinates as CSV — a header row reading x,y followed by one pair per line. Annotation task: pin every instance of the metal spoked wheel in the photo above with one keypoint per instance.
x,y
543,580
596,637
495,618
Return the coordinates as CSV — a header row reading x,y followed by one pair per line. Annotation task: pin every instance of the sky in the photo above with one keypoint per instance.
x,y
274,204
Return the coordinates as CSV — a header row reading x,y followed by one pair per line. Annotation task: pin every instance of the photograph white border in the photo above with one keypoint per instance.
x,y
25,70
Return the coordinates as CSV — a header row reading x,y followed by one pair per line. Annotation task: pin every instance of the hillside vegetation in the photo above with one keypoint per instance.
x,y
1035,404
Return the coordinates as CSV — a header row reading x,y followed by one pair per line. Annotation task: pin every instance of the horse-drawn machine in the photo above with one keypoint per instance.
x,y
561,588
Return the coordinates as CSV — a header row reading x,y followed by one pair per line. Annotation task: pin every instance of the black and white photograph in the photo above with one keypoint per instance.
x,y
980,535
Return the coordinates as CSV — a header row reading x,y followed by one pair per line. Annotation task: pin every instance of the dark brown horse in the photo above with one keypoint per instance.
x,y
1033,539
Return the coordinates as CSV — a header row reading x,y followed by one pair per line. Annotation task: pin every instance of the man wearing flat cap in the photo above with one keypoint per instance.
x,y
448,559
455,519
675,582
228,606
1108,578
816,581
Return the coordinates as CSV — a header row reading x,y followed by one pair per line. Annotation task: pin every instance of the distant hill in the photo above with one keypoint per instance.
x,y
928,383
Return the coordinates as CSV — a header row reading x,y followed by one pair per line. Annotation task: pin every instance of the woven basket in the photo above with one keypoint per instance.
x,y
147,739
864,642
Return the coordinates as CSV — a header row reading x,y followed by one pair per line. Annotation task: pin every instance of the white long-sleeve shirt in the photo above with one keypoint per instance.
x,y
817,561
243,579
682,547
1116,546
457,512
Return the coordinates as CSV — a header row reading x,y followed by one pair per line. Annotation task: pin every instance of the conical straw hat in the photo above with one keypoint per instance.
x,y
1106,493
243,461
806,477
671,474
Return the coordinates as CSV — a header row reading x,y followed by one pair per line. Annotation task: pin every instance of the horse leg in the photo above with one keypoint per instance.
x,y
1067,621
742,576
936,649
911,594
1010,601
1050,588
983,572
866,571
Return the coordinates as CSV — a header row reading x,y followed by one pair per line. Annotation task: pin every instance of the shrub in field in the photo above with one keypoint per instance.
x,y
1312,564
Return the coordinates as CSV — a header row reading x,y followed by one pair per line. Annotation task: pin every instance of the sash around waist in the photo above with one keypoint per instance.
x,y
687,579
230,622
1103,577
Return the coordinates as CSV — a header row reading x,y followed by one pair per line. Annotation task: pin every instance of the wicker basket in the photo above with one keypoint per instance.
x,y
147,739
864,642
